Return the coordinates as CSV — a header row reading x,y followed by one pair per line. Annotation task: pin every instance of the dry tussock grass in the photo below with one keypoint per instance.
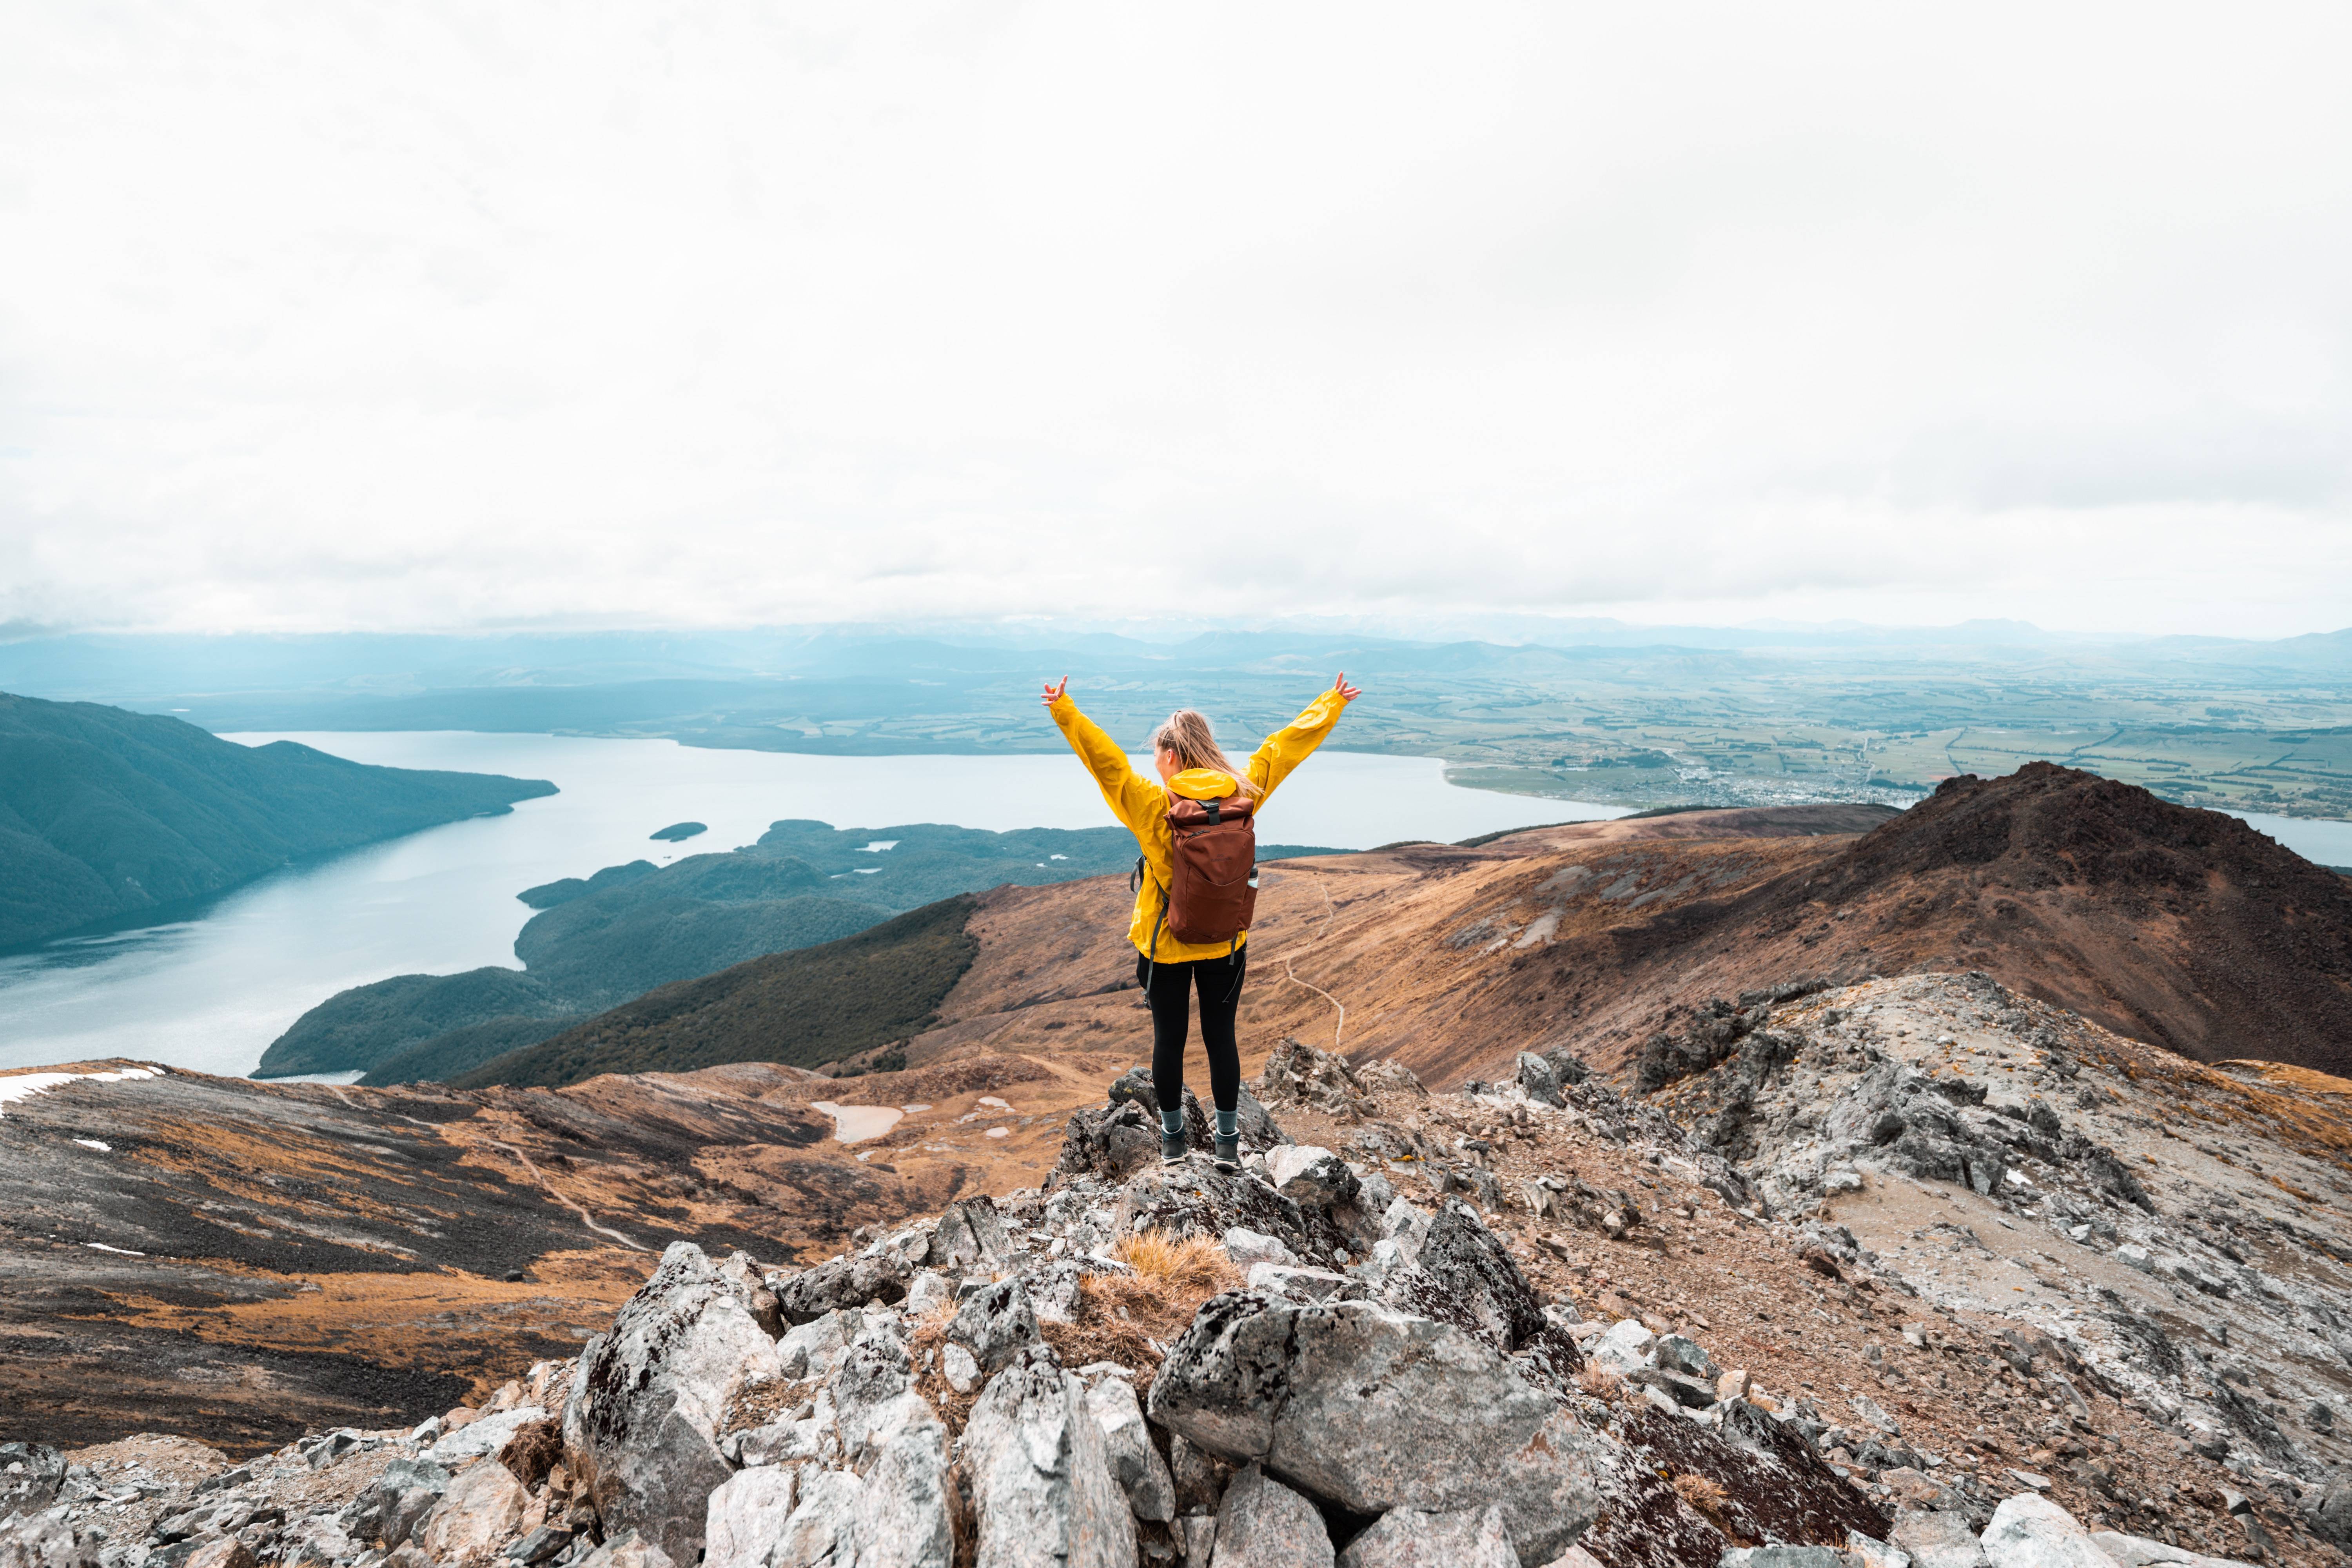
x,y
1707,1501
1121,1315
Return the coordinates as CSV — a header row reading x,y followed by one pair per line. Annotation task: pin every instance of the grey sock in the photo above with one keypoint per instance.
x,y
1229,1124
1171,1122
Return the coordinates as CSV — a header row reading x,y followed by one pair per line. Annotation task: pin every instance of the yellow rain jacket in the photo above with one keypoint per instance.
x,y
1141,804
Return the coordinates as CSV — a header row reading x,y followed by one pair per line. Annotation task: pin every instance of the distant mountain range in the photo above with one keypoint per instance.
x,y
598,942
107,815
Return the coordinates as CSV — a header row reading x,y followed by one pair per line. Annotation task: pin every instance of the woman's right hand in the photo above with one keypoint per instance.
x,y
1055,693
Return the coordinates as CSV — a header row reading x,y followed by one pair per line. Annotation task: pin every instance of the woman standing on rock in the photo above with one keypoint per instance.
x,y
1195,883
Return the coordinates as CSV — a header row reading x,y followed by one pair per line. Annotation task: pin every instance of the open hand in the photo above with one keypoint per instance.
x,y
1347,693
1055,693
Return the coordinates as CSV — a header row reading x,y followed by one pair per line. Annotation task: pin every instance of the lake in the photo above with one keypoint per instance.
x,y
211,992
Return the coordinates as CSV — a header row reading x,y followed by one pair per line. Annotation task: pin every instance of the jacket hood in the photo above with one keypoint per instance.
x,y
1203,784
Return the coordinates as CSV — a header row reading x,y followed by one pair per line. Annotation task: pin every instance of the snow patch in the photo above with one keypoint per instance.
x,y
25,1084
119,1251
94,1143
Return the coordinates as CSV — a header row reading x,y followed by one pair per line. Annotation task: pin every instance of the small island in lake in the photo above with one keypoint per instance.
x,y
680,830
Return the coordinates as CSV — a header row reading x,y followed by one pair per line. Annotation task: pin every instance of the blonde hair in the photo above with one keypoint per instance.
x,y
1187,737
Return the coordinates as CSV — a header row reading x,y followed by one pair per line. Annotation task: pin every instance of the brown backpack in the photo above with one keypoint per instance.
x,y
1214,850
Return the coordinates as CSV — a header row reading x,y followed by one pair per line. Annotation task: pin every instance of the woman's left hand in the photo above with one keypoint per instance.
x,y
1347,693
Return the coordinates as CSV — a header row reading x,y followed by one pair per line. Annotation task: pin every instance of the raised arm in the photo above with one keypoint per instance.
x,y
1132,798
1290,746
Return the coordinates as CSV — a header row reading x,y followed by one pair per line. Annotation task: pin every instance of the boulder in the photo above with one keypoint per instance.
x,y
1407,1538
1673,1352
1247,1248
810,1349
388,1508
1037,1473
1137,1466
817,1535
970,1230
880,1272
1784,1557
747,1512
30,1475
642,1425
486,1434
221,1551
1627,1346
1298,1074
1370,1409
1197,1199
1264,1524
482,1511
2330,1510
1478,1287
1539,1080
628,1549
46,1541
959,1367
1310,1177
2029,1531
1307,1284
2139,1552
997,1324
902,1516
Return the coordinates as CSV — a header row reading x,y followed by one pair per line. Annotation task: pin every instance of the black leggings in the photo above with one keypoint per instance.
x,y
1169,989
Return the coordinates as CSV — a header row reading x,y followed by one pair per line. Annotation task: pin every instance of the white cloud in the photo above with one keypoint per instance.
x,y
435,316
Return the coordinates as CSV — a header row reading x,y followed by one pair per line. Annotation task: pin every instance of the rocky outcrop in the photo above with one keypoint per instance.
x,y
644,1420
1035,1473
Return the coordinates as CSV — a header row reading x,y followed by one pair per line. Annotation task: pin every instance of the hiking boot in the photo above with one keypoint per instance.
x,y
1173,1148
1229,1154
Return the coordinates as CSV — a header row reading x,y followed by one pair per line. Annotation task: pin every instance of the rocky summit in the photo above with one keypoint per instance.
x,y
1915,1271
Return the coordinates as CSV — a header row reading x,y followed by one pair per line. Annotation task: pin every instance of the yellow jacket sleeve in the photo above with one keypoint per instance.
x,y
1133,799
1291,745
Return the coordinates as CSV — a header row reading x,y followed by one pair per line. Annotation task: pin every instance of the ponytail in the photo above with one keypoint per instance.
x,y
1187,734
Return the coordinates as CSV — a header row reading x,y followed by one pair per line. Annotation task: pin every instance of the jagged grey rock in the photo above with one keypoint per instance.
x,y
1407,1538
628,1549
2139,1552
1373,1409
2029,1531
1142,1473
1673,1352
1784,1557
221,1551
970,1230
878,1272
959,1367
642,1425
1303,1284
996,1324
1247,1248
486,1436
810,1349
1466,1278
482,1508
1297,1074
901,1517
1937,1539
30,1475
1037,1475
46,1541
1539,1080
746,1515
1309,1176
1264,1524
2331,1512
819,1528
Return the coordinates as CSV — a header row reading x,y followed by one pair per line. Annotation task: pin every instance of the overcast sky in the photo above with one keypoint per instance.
x,y
320,315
